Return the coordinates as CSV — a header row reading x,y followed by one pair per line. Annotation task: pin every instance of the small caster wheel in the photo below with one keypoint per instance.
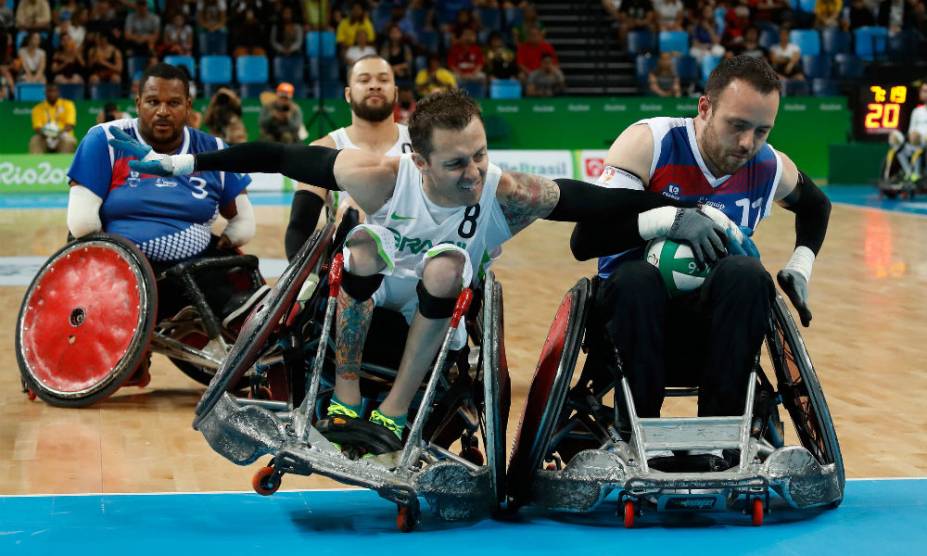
x,y
757,509
630,512
406,519
473,455
266,481
30,393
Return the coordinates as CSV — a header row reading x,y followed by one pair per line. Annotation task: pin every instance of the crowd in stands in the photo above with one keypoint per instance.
x,y
814,45
98,48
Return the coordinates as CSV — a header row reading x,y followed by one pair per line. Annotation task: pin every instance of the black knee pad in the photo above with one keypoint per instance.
x,y
360,288
432,307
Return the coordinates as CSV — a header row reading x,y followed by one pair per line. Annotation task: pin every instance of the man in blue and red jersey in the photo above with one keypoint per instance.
x,y
169,219
721,160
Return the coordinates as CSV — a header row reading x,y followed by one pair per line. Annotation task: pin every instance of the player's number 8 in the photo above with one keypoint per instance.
x,y
468,226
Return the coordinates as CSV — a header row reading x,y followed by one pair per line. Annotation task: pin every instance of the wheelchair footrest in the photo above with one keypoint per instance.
x,y
692,433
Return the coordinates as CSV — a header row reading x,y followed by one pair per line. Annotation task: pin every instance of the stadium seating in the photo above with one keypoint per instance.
x,y
848,66
185,61
320,44
105,91
71,91
816,66
504,89
213,43
807,40
252,73
674,41
30,92
644,64
686,69
871,42
290,69
835,41
215,71
640,42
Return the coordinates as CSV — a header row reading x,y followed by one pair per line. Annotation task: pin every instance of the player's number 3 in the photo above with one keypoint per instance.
x,y
199,188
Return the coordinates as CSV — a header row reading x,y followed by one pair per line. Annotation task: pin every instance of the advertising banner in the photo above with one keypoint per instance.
x,y
590,164
550,164
29,173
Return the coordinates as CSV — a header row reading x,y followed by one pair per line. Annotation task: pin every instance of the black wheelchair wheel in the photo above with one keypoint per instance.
x,y
801,391
496,387
86,321
254,337
547,394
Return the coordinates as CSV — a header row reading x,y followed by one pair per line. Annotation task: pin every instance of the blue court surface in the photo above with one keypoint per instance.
x,y
857,195
876,517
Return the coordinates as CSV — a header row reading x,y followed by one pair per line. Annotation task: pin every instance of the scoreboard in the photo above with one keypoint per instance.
x,y
882,108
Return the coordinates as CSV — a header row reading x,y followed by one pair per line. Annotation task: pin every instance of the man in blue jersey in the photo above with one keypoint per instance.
x,y
169,219
721,160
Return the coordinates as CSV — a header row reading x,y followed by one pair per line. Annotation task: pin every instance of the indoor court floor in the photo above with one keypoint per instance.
x,y
99,478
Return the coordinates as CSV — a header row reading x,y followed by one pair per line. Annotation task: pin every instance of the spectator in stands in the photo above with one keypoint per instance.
x,y
405,106
773,11
529,20
177,38
6,56
111,112
631,15
827,13
223,117
670,14
316,15
64,10
465,59
736,23
281,119
546,81
465,20
706,40
360,49
398,53
105,20
897,15
68,65
247,34
785,57
348,27
500,60
286,37
751,45
104,61
210,15
434,78
32,59
53,121
142,29
663,80
859,14
69,25
33,15
528,55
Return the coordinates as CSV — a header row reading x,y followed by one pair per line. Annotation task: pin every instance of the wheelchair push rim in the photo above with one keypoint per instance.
x,y
86,320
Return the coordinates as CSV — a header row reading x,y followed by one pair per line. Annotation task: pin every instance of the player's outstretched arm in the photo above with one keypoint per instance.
x,y
797,193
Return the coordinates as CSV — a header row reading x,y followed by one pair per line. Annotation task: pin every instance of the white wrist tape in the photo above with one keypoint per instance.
x,y
182,164
801,261
241,228
83,211
656,222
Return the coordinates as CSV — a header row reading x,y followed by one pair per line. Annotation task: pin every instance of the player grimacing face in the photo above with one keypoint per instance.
x,y
456,168
737,125
163,107
372,90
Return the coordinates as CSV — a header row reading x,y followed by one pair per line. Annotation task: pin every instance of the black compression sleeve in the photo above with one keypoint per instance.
x,y
306,163
812,213
607,217
304,216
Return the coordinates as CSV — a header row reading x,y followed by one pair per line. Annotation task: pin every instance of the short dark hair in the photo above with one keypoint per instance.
x,y
165,71
755,71
452,110
361,59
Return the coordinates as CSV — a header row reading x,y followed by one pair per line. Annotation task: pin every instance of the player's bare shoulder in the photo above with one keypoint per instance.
x,y
324,141
524,198
633,151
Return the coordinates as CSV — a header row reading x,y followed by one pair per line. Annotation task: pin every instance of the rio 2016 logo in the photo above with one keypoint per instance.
x,y
42,174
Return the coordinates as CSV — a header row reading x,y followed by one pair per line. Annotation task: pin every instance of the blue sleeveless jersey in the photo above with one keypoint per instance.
x,y
168,218
678,171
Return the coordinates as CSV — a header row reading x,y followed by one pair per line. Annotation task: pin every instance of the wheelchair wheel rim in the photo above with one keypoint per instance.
x,y
86,318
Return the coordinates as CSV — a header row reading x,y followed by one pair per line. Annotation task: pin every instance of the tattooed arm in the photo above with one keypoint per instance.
x,y
525,197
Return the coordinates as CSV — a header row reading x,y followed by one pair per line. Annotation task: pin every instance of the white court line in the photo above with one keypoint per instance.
x,y
338,489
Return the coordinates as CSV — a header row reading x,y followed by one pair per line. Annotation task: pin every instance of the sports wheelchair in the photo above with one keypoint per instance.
x,y
897,181
287,340
577,444
90,318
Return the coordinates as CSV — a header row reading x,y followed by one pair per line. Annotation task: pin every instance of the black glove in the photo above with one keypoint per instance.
x,y
796,287
698,230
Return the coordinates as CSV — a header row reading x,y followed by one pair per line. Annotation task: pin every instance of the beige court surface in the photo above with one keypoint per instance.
x,y
867,342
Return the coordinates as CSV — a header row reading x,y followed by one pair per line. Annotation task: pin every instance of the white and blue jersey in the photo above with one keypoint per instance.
x,y
678,171
169,218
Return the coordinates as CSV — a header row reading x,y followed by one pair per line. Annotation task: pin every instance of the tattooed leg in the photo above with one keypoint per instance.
x,y
354,320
